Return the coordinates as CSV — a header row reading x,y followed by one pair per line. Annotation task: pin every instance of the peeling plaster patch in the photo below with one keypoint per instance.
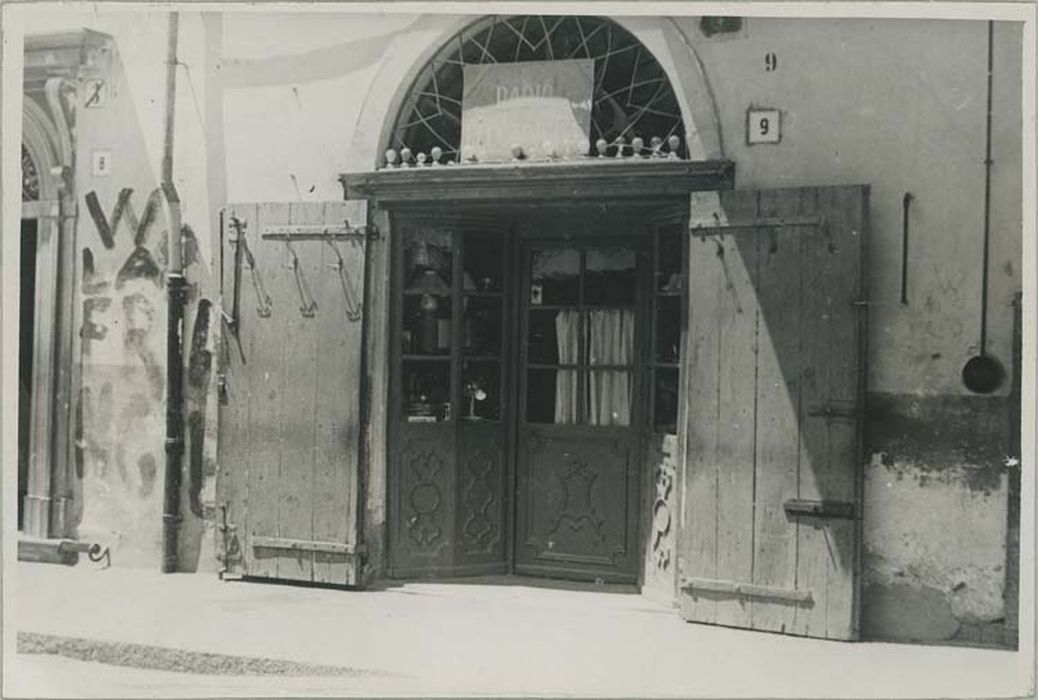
x,y
200,359
935,460
196,431
908,542
148,469
976,595
139,312
163,249
189,242
79,433
198,373
105,408
933,434
138,406
120,463
96,424
904,612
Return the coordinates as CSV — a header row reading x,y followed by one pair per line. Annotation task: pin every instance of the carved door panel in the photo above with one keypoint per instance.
x,y
578,452
422,531
481,497
576,496
289,445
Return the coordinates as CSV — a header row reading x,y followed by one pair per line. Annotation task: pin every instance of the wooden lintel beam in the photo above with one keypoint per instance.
x,y
591,178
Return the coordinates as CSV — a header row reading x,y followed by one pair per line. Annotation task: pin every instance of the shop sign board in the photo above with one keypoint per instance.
x,y
543,107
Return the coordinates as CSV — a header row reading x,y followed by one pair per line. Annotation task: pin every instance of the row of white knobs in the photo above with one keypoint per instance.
x,y
636,148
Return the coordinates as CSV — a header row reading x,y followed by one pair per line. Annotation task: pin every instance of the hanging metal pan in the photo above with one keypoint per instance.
x,y
982,374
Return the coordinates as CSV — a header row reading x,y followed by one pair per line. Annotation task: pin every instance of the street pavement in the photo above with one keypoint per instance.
x,y
132,633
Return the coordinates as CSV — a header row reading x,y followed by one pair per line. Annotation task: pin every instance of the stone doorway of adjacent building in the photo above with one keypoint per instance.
x,y
26,326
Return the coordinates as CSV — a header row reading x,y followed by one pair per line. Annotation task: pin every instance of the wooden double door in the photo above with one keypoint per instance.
x,y
518,392
534,353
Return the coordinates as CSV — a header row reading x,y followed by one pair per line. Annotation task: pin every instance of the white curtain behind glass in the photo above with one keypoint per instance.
x,y
610,342
567,333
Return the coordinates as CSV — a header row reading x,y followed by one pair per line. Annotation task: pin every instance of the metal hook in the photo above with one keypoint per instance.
x,y
96,553
353,309
309,305
264,303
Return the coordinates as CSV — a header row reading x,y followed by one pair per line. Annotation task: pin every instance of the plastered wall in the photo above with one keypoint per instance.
x,y
902,106
899,105
122,252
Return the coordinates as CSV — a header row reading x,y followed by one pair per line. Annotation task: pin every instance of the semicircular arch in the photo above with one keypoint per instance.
x,y
40,138
413,53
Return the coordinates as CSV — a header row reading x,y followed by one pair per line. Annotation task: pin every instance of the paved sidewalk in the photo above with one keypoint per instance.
x,y
433,639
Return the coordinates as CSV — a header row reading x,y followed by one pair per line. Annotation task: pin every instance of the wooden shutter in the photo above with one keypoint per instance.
x,y
290,413
770,531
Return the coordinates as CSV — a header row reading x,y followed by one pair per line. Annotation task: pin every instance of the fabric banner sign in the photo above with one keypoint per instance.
x,y
544,107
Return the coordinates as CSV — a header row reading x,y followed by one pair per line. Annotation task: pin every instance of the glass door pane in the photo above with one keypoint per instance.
x,y
427,323
610,276
581,335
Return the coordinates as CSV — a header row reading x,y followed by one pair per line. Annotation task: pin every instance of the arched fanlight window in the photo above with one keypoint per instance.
x,y
30,178
632,96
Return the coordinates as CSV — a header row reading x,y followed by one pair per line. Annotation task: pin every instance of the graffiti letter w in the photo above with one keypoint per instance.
x,y
123,208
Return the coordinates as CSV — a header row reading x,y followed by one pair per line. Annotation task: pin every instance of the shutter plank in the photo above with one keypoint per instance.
x,y
265,404
299,383
329,396
234,442
778,398
337,396
735,426
371,498
831,458
813,538
846,386
698,544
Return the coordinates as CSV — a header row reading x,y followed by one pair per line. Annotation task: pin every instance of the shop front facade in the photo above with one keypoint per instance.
x,y
637,300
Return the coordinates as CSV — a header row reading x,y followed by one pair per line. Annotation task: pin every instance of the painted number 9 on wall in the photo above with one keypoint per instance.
x,y
763,126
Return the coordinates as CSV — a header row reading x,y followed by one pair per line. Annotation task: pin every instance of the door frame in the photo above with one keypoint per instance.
x,y
652,183
47,137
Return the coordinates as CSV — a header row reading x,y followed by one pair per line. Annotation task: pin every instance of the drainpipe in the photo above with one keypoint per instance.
x,y
174,324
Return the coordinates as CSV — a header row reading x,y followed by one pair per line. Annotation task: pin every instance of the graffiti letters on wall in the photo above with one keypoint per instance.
x,y
120,416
